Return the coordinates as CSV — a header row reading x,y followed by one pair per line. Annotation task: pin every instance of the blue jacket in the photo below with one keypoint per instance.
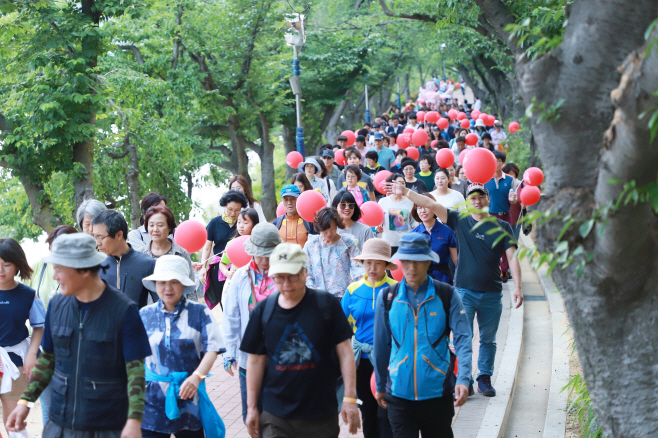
x,y
359,306
414,349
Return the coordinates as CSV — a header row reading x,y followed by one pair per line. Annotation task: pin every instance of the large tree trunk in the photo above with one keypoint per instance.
x,y
290,145
612,307
132,176
42,209
332,131
83,181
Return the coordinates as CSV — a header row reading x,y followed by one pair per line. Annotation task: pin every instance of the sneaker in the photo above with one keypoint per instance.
x,y
504,276
484,386
470,389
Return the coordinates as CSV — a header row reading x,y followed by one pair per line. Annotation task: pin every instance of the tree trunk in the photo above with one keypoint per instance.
x,y
483,95
132,176
290,145
83,179
332,131
42,209
239,146
612,307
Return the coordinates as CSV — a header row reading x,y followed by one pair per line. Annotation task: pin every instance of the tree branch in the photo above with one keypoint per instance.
x,y
418,17
136,52
498,16
177,41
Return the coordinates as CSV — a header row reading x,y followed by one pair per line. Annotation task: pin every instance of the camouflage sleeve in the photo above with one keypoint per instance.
x,y
136,388
41,375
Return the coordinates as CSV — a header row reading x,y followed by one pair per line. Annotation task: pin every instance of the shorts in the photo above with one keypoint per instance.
x,y
18,387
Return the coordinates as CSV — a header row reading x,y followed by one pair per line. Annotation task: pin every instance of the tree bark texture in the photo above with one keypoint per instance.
x,y
42,209
289,144
332,131
132,176
613,307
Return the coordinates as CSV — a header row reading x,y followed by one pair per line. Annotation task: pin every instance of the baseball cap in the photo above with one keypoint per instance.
x,y
290,190
377,125
287,258
327,153
477,187
360,138
379,136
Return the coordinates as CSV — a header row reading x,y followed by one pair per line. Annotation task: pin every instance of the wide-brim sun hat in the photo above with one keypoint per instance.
x,y
376,249
170,267
312,161
75,251
415,247
262,241
480,123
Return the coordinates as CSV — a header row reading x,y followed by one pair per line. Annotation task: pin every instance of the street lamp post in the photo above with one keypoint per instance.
x,y
296,37
367,103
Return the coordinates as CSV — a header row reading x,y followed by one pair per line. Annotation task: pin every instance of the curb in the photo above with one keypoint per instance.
x,y
556,410
497,412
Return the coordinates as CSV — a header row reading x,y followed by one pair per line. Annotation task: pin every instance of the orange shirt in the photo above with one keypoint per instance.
x,y
293,231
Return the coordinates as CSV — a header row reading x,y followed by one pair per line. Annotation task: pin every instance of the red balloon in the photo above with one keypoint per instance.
x,y
472,139
482,116
489,120
413,153
533,176
236,253
339,156
453,114
351,137
293,159
403,141
445,158
397,274
480,165
475,114
442,123
373,383
461,115
420,115
309,203
409,130
280,209
419,138
462,155
191,235
465,124
372,214
379,180
530,195
432,117
434,142
513,127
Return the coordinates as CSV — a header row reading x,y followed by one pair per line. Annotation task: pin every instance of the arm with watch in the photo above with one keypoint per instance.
x,y
189,387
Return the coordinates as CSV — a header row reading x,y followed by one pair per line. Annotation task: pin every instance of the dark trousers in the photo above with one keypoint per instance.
x,y
181,434
432,418
504,264
375,419
272,426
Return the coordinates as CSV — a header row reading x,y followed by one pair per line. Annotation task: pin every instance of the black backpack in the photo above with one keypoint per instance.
x,y
444,291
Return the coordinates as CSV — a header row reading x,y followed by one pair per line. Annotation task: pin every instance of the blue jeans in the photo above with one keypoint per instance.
x,y
489,307
44,398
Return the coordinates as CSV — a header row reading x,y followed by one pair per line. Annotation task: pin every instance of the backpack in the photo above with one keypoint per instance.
x,y
309,226
444,292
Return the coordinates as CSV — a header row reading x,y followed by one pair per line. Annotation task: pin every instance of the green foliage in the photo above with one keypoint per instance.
x,y
581,405
541,26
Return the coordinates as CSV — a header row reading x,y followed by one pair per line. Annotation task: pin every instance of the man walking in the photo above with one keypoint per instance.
x,y
414,370
292,228
302,339
478,270
94,345
386,157
127,267
327,155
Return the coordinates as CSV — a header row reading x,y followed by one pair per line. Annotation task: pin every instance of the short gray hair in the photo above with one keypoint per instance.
x,y
90,207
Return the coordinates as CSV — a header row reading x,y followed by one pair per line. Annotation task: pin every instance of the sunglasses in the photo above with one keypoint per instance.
x,y
346,206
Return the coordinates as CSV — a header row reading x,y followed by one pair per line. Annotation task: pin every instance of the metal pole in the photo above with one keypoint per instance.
x,y
444,69
296,70
367,108
399,106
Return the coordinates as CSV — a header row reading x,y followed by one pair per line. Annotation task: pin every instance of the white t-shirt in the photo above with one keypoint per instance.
x,y
450,200
397,219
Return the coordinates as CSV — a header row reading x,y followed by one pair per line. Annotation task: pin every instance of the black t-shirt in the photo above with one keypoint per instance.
x,y
417,186
220,233
300,378
478,263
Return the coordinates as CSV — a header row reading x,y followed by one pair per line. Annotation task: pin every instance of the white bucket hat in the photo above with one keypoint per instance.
x,y
480,123
75,251
170,267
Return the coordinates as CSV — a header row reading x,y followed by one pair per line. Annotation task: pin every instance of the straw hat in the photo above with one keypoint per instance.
x,y
376,249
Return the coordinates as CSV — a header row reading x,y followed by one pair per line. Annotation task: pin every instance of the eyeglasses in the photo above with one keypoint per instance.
x,y
280,279
422,208
230,210
346,206
100,239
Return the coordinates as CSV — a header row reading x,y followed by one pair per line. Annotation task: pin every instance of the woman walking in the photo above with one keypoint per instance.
x,y
350,213
443,194
140,237
239,183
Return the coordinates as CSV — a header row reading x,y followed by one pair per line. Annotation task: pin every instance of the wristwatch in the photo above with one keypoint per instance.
x,y
199,375
26,403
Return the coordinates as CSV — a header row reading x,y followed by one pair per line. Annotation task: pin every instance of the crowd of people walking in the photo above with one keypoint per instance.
x,y
328,318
